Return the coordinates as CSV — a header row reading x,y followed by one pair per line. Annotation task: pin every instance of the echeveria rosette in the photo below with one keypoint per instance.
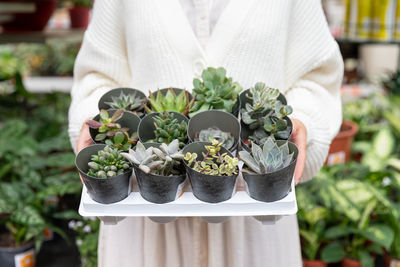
x,y
214,133
180,103
129,102
215,91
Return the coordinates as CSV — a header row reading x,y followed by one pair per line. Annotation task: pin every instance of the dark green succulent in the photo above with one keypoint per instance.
x,y
168,128
207,135
216,91
180,103
111,132
269,158
130,102
213,163
107,163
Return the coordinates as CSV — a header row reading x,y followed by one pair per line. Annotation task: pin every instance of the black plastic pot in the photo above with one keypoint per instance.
x,y
226,122
236,107
246,132
209,188
103,190
107,97
128,120
146,126
7,255
272,186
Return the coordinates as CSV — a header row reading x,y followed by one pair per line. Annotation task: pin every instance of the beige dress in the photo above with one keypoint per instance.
x,y
149,44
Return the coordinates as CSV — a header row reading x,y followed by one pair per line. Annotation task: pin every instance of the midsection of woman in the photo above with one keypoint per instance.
x,y
152,44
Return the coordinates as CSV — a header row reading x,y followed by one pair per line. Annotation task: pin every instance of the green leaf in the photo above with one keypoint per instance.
x,y
27,216
383,143
104,115
339,231
119,138
117,115
333,252
366,259
380,234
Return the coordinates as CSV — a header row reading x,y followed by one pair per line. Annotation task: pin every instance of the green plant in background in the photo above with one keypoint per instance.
x,y
266,114
180,103
269,158
84,3
168,128
392,83
207,135
165,160
129,102
213,162
107,163
111,132
215,91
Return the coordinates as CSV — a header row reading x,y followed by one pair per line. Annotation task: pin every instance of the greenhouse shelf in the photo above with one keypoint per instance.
x,y
189,206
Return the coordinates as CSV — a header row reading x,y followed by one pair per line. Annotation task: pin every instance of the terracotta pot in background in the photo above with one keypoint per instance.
x,y
340,149
390,262
350,263
308,263
79,16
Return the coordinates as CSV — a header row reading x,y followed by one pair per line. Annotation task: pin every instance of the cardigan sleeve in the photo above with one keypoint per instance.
x,y
100,66
314,72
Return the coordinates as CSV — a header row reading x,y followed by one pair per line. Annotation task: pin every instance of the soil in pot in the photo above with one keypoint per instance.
x,y
79,16
11,256
340,149
103,190
272,186
315,263
222,120
146,129
115,93
350,263
128,120
209,188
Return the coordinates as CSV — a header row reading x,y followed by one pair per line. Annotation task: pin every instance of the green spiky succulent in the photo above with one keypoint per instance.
x,y
216,91
111,132
169,128
108,163
165,160
207,135
269,158
180,103
130,102
213,162
266,114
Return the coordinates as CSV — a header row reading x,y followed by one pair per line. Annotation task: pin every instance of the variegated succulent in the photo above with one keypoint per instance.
x,y
269,158
213,162
107,163
180,103
164,161
207,135
130,102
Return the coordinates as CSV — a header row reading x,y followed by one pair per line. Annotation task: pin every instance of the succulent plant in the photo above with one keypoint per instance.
x,y
111,132
216,91
207,135
169,128
392,83
213,163
266,114
130,102
165,160
180,103
107,163
269,158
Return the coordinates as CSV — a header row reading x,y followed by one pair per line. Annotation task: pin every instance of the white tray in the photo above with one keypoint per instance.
x,y
188,205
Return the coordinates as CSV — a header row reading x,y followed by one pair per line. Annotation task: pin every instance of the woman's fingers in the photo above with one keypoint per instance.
x,y
84,139
299,137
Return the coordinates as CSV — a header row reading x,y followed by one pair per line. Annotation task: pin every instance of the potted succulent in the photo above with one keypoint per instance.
x,y
212,171
223,127
269,169
215,91
170,99
79,13
264,114
128,99
159,170
105,173
116,128
163,128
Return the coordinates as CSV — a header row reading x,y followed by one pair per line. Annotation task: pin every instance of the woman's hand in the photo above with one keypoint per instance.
x,y
299,137
84,139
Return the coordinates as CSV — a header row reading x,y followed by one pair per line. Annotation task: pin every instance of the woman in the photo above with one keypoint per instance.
x,y
158,43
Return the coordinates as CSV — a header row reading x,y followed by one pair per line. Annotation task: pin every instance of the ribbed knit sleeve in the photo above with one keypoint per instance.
x,y
314,70
101,64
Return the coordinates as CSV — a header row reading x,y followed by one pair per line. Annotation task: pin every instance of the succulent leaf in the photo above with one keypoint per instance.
x,y
107,163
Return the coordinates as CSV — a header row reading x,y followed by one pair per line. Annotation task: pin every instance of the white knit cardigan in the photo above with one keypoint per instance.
x,y
149,44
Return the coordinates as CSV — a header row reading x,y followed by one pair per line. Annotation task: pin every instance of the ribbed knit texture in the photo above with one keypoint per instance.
x,y
149,44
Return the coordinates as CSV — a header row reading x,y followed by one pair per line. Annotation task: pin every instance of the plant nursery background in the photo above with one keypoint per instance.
x,y
350,210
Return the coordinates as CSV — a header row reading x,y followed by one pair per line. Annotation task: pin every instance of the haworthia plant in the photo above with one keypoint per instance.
x,y
107,163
